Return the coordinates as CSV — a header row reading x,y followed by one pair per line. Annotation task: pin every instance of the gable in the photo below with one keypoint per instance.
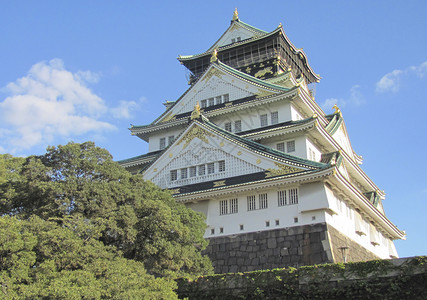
x,y
235,33
216,86
199,146
340,135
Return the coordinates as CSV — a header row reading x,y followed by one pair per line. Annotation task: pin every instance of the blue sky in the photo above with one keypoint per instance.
x,y
85,70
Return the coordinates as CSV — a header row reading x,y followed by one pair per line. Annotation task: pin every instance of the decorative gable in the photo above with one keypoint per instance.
x,y
235,33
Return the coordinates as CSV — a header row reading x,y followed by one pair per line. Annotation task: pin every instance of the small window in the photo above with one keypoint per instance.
x,y
211,168
193,171
184,173
227,126
221,166
251,202
174,175
162,143
277,222
263,202
211,101
234,208
263,120
202,170
203,103
226,97
237,126
221,230
233,40
223,207
218,100
238,39
293,196
295,220
290,145
281,198
242,227
280,147
267,223
171,139
313,218
212,230
274,117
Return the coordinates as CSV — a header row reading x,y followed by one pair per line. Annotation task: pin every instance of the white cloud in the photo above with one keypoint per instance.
x,y
391,82
47,103
355,98
124,109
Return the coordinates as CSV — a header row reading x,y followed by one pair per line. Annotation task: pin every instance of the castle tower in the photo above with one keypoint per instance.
x,y
248,146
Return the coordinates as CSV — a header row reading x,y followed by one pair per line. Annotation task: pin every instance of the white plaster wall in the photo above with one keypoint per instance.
x,y
154,140
235,32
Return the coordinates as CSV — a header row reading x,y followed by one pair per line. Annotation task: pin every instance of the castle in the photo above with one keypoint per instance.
x,y
248,146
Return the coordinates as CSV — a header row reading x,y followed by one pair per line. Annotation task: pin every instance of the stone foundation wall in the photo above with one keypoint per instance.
x,y
294,246
284,247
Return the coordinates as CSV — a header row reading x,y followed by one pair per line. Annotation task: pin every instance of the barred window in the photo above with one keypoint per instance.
x,y
223,207
274,117
221,167
267,223
193,172
280,147
234,206
251,203
184,173
211,168
227,126
263,120
293,196
263,202
174,175
204,103
290,145
202,170
237,126
211,101
218,100
162,143
226,98
281,198
171,139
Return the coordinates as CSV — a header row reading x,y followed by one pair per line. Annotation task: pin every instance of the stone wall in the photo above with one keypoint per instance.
x,y
294,246
284,247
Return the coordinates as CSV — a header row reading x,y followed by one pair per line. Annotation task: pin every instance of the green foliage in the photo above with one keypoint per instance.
x,y
97,225
39,259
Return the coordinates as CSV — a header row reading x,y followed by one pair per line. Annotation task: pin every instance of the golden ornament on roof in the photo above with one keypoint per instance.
x,y
235,15
337,110
214,56
196,112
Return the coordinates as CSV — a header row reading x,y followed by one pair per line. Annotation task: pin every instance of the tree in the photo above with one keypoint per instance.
x,y
79,186
40,259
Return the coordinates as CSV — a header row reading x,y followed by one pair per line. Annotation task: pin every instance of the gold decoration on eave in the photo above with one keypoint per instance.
x,y
169,117
195,132
174,191
213,72
283,170
214,56
263,93
264,71
219,183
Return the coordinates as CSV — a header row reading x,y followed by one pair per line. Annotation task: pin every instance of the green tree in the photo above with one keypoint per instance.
x,y
42,260
79,186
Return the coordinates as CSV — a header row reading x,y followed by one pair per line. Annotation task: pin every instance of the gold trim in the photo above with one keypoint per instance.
x,y
155,170
175,191
221,144
170,155
239,153
213,72
195,132
263,93
264,71
283,170
219,183
258,161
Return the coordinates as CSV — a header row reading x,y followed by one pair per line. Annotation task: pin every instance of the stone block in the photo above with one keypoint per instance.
x,y
255,261
271,243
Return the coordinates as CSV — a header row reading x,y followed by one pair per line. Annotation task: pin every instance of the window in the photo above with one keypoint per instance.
x,y
290,145
218,100
227,126
242,227
184,173
238,39
251,202
311,154
233,40
263,202
234,206
221,167
237,126
226,98
211,168
267,223
211,101
171,139
162,143
293,196
193,171
174,175
202,170
281,198
223,207
221,230
277,222
212,230
204,103
274,117
295,220
263,120
280,147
